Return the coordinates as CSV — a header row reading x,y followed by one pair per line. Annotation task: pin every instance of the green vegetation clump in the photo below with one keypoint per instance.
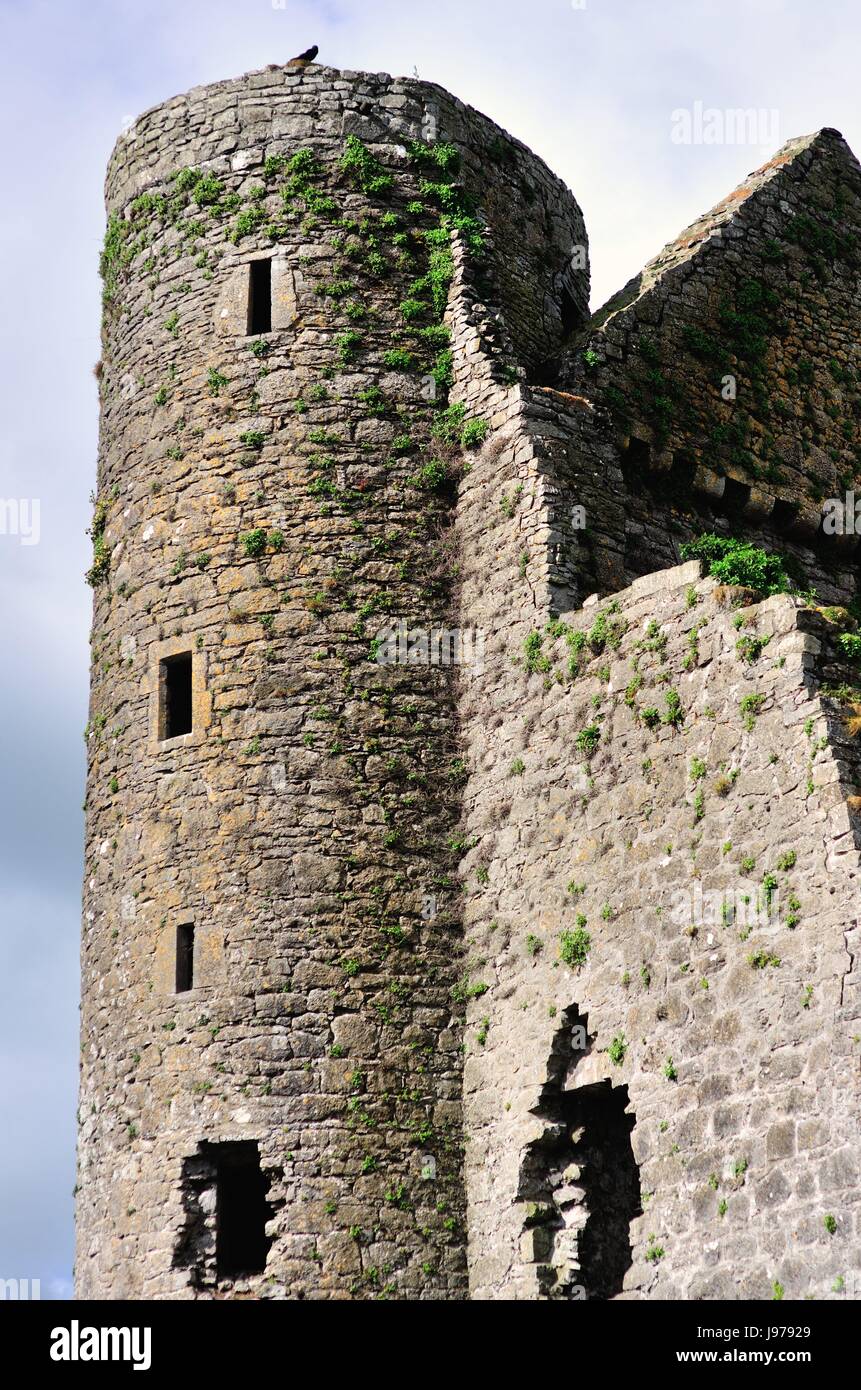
x,y
674,713
587,739
204,189
373,401
118,251
441,162
303,168
441,157
466,989
437,334
452,427
574,946
99,569
440,271
442,370
739,563
750,707
247,222
348,344
749,649
399,358
850,645
536,661
431,477
364,169
412,308
254,543
474,433
760,959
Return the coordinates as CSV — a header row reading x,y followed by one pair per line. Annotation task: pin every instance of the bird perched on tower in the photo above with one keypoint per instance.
x,y
303,59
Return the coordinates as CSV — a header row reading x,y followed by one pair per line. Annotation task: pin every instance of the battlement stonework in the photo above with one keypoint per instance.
x,y
523,966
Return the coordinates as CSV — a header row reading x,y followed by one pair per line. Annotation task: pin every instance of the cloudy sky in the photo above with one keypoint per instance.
x,y
591,87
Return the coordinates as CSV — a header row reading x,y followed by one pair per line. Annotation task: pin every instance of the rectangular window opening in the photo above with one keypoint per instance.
x,y
260,296
736,496
784,514
184,958
635,460
176,695
682,469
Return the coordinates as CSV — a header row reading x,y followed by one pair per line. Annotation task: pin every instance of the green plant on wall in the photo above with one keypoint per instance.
x,y
364,169
100,568
737,562
575,946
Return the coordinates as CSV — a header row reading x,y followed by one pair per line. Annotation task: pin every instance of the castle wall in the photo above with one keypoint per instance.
x,y
729,1041
614,520
729,368
659,1097
263,504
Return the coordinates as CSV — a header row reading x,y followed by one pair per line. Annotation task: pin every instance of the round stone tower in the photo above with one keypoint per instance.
x,y
318,287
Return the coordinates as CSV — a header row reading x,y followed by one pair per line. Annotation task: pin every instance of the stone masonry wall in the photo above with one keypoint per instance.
x,y
729,368
611,814
268,502
631,522
764,288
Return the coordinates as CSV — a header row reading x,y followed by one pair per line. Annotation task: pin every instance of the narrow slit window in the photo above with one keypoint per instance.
x,y
176,695
260,296
569,313
184,958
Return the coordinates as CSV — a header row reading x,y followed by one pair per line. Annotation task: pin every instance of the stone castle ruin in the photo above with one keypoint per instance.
x,y
472,862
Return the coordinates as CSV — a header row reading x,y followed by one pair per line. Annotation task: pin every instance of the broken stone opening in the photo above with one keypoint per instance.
x,y
225,1199
260,296
175,691
241,1244
580,1179
184,957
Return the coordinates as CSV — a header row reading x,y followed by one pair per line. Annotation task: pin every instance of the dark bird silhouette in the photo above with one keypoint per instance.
x,y
303,59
